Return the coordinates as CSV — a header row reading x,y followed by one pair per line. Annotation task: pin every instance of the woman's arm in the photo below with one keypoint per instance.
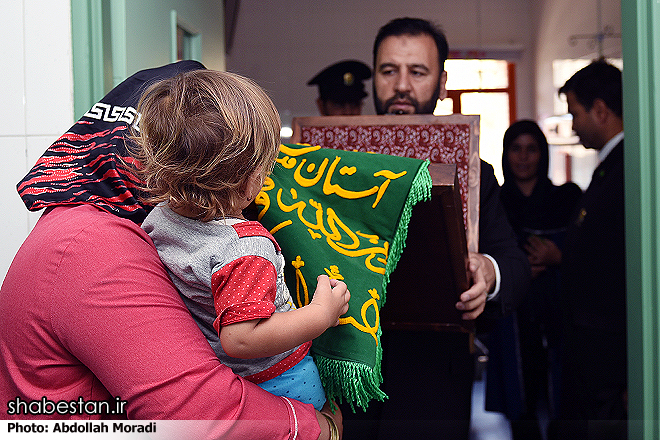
x,y
116,311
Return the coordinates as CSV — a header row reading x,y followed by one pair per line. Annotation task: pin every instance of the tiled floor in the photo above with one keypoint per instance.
x,y
486,425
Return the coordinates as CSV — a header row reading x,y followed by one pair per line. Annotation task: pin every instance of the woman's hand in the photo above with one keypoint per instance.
x,y
325,423
541,253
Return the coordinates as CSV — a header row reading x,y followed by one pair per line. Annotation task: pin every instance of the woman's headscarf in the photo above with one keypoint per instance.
x,y
525,126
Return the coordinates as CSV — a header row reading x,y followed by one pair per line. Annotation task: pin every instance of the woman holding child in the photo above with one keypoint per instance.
x,y
89,311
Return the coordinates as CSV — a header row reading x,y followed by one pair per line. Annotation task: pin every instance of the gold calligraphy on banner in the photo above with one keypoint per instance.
x,y
302,296
366,327
326,223
332,188
323,222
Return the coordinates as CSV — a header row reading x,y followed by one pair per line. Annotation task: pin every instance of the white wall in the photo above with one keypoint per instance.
x,y
37,91
560,19
148,40
283,44
37,84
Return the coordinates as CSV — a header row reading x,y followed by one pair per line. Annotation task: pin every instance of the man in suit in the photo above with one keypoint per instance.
x,y
428,375
594,367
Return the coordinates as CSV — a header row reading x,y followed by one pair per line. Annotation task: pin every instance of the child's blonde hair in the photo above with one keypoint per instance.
x,y
201,135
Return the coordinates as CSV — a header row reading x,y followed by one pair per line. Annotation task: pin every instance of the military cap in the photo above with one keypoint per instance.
x,y
342,82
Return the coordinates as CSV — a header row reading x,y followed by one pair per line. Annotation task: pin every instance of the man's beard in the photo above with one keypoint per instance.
x,y
424,108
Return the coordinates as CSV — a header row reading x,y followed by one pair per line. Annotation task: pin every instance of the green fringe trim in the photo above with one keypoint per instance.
x,y
349,381
354,382
420,191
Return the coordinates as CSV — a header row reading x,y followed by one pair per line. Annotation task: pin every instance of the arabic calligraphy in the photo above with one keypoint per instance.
x,y
366,327
300,280
333,273
322,222
321,178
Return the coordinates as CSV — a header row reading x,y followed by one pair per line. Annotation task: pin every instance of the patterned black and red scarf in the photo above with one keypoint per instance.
x,y
88,163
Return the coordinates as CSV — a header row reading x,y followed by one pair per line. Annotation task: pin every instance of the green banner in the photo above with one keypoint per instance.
x,y
344,214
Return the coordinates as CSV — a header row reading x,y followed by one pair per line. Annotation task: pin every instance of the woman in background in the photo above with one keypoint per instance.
x,y
539,212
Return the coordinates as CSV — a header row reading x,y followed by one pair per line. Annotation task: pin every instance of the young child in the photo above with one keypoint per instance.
x,y
206,142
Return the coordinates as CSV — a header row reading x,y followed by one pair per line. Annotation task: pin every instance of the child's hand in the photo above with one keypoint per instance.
x,y
332,296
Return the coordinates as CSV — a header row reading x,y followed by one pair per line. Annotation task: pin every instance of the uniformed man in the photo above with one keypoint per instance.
x,y
341,88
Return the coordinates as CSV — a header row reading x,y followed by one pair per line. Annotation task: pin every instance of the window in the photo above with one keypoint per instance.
x,y
485,88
